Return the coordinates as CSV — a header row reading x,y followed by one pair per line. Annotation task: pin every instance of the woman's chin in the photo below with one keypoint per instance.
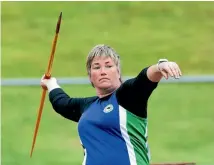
x,y
105,85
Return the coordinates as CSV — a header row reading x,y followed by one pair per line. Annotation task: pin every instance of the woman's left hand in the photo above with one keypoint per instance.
x,y
169,69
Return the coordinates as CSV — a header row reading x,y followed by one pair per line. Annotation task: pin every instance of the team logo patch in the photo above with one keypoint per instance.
x,y
108,108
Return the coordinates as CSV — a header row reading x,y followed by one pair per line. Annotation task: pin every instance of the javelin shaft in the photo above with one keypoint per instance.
x,y
47,75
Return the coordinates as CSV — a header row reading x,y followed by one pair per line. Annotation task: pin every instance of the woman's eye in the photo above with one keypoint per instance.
x,y
96,67
108,66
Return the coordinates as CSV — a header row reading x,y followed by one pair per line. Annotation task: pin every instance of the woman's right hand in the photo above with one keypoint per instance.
x,y
48,83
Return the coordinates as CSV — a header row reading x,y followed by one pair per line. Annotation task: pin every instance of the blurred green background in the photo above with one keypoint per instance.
x,y
181,116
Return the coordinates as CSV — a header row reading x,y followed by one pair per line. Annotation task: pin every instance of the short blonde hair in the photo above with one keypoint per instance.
x,y
102,50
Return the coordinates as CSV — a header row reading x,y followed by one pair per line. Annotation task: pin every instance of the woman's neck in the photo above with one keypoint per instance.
x,y
105,92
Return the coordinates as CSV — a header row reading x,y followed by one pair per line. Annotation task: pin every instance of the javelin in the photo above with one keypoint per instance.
x,y
47,76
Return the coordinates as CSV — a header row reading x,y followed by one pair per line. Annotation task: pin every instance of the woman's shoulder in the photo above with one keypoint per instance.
x,y
90,99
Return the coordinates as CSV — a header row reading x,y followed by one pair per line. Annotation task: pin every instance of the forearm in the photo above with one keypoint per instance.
x,y
59,99
154,74
64,105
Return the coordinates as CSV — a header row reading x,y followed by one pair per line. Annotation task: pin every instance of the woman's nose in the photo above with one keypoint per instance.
x,y
103,71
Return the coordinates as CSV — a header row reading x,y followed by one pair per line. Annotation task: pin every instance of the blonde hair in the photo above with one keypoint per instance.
x,y
102,50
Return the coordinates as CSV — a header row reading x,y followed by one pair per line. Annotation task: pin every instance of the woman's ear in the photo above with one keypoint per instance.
x,y
89,76
92,84
120,78
118,71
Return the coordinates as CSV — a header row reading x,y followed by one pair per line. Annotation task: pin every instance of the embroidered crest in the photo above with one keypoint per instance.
x,y
108,108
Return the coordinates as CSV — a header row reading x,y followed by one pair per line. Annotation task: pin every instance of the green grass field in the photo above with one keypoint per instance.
x,y
180,115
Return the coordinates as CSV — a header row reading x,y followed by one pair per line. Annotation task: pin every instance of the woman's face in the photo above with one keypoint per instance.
x,y
104,73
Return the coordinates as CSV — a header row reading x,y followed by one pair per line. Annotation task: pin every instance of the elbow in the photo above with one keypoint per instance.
x,y
59,105
56,107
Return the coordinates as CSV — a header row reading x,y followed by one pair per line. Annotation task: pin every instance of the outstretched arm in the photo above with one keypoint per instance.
x,y
164,68
134,93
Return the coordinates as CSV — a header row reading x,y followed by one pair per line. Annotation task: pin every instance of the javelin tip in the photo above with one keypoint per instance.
x,y
60,16
58,23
